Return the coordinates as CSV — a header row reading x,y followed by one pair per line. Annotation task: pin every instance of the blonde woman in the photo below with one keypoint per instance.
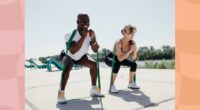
x,y
126,54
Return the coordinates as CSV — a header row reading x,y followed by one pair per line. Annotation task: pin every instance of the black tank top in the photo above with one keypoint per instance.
x,y
122,47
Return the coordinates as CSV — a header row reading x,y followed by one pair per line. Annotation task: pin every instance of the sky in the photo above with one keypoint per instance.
x,y
47,21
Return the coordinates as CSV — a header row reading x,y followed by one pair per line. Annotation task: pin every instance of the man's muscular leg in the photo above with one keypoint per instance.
x,y
93,68
94,92
68,64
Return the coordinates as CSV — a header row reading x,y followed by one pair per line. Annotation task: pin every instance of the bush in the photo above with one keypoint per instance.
x,y
159,65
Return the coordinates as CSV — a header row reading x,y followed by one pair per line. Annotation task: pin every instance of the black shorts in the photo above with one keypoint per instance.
x,y
77,61
74,61
117,63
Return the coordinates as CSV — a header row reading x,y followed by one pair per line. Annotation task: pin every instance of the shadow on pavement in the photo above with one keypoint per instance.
x,y
81,104
135,96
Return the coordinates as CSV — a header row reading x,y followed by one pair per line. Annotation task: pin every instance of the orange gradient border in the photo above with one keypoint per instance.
x,y
187,55
11,54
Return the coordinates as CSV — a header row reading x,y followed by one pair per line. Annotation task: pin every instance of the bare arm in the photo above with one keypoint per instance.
x,y
93,43
94,46
121,56
134,55
75,46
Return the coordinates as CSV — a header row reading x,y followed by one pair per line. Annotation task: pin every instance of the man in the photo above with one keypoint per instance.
x,y
78,49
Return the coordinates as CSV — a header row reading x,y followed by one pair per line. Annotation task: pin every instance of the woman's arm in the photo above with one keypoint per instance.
x,y
121,56
134,55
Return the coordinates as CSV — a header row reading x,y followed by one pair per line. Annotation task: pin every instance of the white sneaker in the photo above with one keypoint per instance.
x,y
61,97
113,90
95,92
133,85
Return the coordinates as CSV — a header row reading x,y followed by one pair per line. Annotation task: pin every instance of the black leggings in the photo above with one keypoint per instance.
x,y
117,63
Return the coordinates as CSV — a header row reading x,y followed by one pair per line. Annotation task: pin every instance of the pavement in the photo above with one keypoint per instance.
x,y
157,90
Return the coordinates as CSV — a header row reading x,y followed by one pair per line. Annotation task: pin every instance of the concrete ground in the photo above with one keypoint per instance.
x,y
157,90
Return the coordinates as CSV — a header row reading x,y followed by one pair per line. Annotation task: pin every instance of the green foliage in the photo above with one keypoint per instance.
x,y
159,65
145,53
150,53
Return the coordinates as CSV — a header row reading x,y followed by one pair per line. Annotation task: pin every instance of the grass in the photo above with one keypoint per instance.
x,y
159,65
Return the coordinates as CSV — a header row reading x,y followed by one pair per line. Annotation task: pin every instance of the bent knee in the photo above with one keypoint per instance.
x,y
93,65
133,67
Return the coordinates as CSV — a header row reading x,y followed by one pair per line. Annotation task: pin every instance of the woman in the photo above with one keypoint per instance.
x,y
125,54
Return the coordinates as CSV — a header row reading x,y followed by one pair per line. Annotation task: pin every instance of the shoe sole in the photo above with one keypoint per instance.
x,y
113,92
65,102
97,96
133,88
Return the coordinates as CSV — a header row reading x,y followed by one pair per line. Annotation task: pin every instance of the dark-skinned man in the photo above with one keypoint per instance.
x,y
78,49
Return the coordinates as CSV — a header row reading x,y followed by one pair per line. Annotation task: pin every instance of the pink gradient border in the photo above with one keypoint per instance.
x,y
12,54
